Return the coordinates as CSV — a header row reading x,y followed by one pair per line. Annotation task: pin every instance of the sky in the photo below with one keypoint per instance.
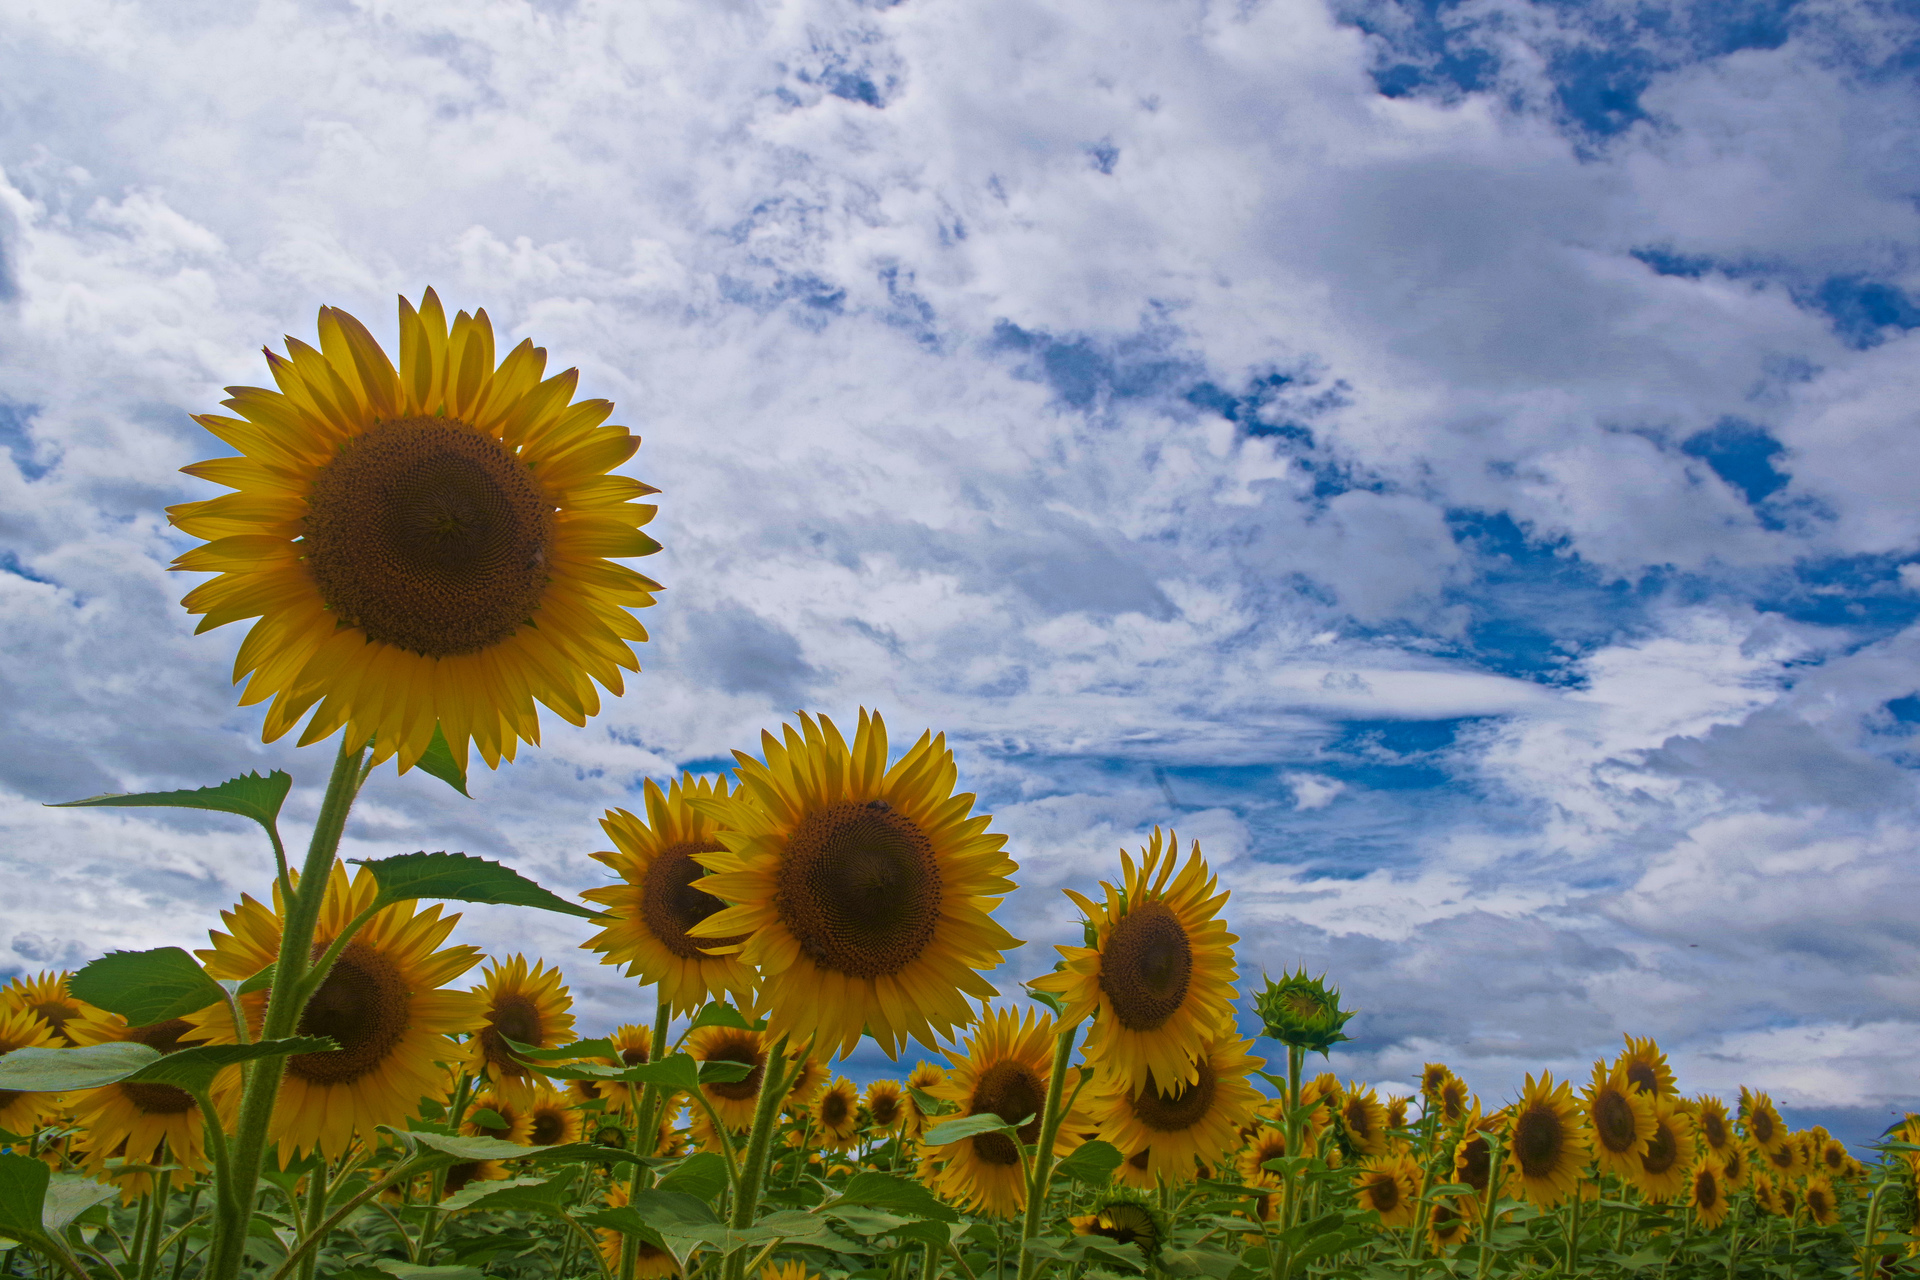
x,y
1456,461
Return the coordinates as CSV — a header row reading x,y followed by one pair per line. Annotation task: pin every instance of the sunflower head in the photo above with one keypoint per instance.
x,y
1761,1120
1175,1131
426,548
864,891
1620,1118
1126,1218
1711,1124
1433,1077
836,1115
500,1116
787,1270
1662,1172
1832,1158
888,1106
521,1005
1360,1122
1646,1067
552,1119
1004,1072
1707,1191
1267,1143
660,897
1450,1222
1304,1012
46,997
1547,1142
1454,1101
1821,1204
733,1100
1388,1186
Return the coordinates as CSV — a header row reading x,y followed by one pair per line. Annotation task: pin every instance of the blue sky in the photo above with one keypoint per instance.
x,y
1453,460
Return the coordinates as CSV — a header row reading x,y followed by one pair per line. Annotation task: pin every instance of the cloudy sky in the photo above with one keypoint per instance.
x,y
1455,460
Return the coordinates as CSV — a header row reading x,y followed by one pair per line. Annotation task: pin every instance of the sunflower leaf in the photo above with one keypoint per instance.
x,y
460,877
69,1196
540,1195
702,1175
194,1068
895,1195
438,762
565,1053
1091,1162
146,987
62,1070
1048,999
969,1127
249,795
717,1013
452,1149
35,1207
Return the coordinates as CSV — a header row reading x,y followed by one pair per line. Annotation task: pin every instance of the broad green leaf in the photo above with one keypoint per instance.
x,y
895,1195
866,1221
23,1194
1198,1262
487,1118
541,1195
438,762
722,1071
703,1175
969,1127
69,1196
928,1104
677,1072
565,1053
1091,1162
64,1070
194,1069
413,1271
250,796
461,1148
146,987
628,1222
1048,999
719,1014
601,1155
459,877
672,1210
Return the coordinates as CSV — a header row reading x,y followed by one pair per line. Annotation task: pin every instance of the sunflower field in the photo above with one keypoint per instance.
x,y
335,1087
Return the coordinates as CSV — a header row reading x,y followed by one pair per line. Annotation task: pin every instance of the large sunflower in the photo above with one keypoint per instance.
x,y
427,546
45,996
1707,1191
1620,1118
530,1006
1546,1142
1362,1120
733,1101
1160,972
382,1003
658,899
23,1112
1762,1120
1195,1121
1646,1067
134,1120
1390,1187
863,890
1005,1072
1662,1174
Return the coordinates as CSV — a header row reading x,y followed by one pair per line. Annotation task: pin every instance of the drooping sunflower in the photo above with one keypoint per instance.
x,y
733,1101
654,1262
659,898
515,1124
889,1106
863,891
1193,1122
45,996
1454,1100
23,1112
422,547
382,1003
1712,1126
134,1121
1361,1120
1432,1077
1822,1206
1266,1144
1546,1142
1450,1223
633,1045
1125,1219
1646,1067
1390,1187
1707,1191
1762,1120
1669,1154
1005,1072
1735,1167
1160,973
530,1006
552,1120
1620,1118
836,1116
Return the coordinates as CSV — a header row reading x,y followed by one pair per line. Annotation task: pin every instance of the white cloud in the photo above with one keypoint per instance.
x,y
1313,790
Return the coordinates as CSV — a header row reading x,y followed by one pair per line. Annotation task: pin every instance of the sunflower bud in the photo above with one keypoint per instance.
x,y
1303,1012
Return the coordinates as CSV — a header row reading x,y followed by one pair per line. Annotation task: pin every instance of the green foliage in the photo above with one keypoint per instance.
x,y
438,762
460,877
146,987
249,795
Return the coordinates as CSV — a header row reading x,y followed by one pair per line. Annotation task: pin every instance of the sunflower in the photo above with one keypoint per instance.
x,y
1125,1219
1547,1142
1734,1165
1362,1120
1787,1158
1786,1200
1762,1120
707,1138
1763,1194
147,1124
1712,1126
1005,1072
733,1101
788,1270
1453,1099
528,1006
887,1103
1620,1118
1160,972
836,1116
381,1003
654,1262
46,997
1266,1144
1432,1077
515,1122
1822,1207
1832,1158
1473,1162
23,1112
460,1176
1192,1122
1669,1153
808,1075
657,899
1646,1067
863,891
1397,1111
428,547
633,1045
923,1077
1707,1191
1390,1187
1450,1222
554,1122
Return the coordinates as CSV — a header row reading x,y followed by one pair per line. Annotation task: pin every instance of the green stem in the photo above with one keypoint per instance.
x,y
398,1174
180,1250
647,1130
163,1189
766,1117
284,1006
1488,1216
1050,1118
316,1209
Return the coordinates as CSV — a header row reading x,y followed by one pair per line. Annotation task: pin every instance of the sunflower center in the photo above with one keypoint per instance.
x,y
429,536
1642,1076
514,1016
834,1109
1126,1224
1713,1127
737,1048
1453,1103
1147,966
57,1014
1358,1118
1474,1162
159,1099
1662,1150
364,1006
1613,1121
1013,1091
1384,1189
633,1055
885,1108
1185,1107
459,1175
1538,1140
1761,1126
1781,1158
1706,1188
860,889
549,1126
671,905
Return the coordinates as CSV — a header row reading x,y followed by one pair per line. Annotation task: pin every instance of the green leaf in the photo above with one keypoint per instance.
x,y
928,1104
677,1072
68,1196
194,1069
259,981
146,987
969,1127
64,1070
703,1175
565,1053
1236,1188
1091,1162
895,1195
487,1118
459,877
538,1195
1198,1262
723,1071
438,762
598,1154
459,1149
719,1014
1048,999
413,1271
23,1195
250,796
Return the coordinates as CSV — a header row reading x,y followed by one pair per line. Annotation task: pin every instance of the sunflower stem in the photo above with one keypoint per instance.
x,y
1050,1119
766,1116
647,1132
162,1195
234,1206
1489,1215
180,1249
316,1209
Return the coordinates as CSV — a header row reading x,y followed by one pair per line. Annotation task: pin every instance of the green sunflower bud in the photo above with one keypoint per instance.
x,y
1303,1012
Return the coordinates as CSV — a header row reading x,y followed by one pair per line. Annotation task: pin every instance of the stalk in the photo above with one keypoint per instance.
x,y
766,1116
234,1205
316,1209
1042,1179
1488,1217
162,1192
647,1132
180,1249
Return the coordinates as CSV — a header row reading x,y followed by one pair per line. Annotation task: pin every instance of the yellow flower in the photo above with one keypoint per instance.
x,y
1620,1118
1193,1122
382,1003
467,1172
1005,1071
1646,1067
733,1101
1159,975
659,899
134,1121
1707,1191
864,891
552,1120
1711,1125
1454,1100
515,1123
1822,1207
1762,1120
654,1262
633,1045
1389,1186
1267,1144
1433,1077
788,1270
1451,1222
836,1116
1363,1120
1546,1143
888,1104
46,997
1669,1154
422,547
22,1112
528,1006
